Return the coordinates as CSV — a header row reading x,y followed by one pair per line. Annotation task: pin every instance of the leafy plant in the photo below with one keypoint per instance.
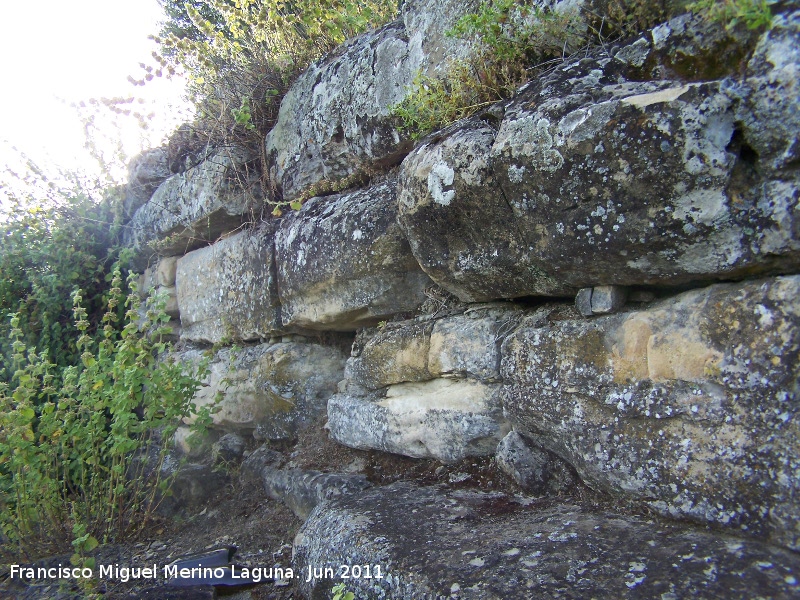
x,y
84,457
48,248
753,14
340,593
241,56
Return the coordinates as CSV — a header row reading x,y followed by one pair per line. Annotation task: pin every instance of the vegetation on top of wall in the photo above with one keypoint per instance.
x,y
241,57
516,39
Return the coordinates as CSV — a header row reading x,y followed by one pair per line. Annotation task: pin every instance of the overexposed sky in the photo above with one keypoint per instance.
x,y
57,52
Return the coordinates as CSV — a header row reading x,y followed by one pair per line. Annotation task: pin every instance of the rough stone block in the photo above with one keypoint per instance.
x,y
227,291
272,390
689,405
468,544
343,263
193,209
608,299
303,490
335,121
443,419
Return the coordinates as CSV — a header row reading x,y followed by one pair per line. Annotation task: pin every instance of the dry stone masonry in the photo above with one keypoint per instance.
x,y
597,283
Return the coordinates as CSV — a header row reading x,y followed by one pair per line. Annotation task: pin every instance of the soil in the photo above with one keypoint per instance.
x,y
261,529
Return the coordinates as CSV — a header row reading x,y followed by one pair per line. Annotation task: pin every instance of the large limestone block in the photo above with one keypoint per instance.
x,y
769,94
145,173
443,419
393,355
270,390
468,345
433,543
594,179
192,209
227,291
335,122
343,262
690,405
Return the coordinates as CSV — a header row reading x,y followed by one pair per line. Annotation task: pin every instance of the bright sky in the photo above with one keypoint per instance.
x,y
58,52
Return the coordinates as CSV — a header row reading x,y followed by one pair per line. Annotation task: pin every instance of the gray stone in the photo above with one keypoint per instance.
x,y
444,419
343,263
583,301
433,543
193,209
689,404
145,173
535,470
335,120
228,449
608,299
227,291
195,485
271,390
302,490
253,464
397,354
594,178
468,345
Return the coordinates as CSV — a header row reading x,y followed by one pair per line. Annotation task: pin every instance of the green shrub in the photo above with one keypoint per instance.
x,y
49,248
754,14
242,55
80,448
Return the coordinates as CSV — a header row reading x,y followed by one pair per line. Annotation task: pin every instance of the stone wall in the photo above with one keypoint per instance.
x,y
598,280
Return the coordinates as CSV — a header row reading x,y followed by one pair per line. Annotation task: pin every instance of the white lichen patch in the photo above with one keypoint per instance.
x,y
440,179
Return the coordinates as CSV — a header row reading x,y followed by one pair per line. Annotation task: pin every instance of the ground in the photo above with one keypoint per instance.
x,y
260,528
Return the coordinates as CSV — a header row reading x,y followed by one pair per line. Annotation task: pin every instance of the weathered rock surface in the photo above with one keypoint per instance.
x,y
535,470
593,178
270,390
334,122
445,419
228,291
302,490
426,388
193,209
343,263
690,405
434,543
145,173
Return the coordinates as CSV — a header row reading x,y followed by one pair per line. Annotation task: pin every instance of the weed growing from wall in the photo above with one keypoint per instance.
x,y
514,40
241,57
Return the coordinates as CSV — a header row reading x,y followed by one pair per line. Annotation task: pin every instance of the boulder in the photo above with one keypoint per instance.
x,y
145,173
302,490
335,121
192,209
419,543
396,354
444,419
343,263
689,404
227,291
270,390
594,178
534,469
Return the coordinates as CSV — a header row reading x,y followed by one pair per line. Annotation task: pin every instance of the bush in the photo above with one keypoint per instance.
x,y
49,248
513,41
79,447
241,57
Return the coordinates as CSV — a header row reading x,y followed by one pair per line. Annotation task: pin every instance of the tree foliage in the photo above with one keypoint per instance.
x,y
48,249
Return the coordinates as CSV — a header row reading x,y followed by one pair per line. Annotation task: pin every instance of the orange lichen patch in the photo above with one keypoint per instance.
x,y
680,355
